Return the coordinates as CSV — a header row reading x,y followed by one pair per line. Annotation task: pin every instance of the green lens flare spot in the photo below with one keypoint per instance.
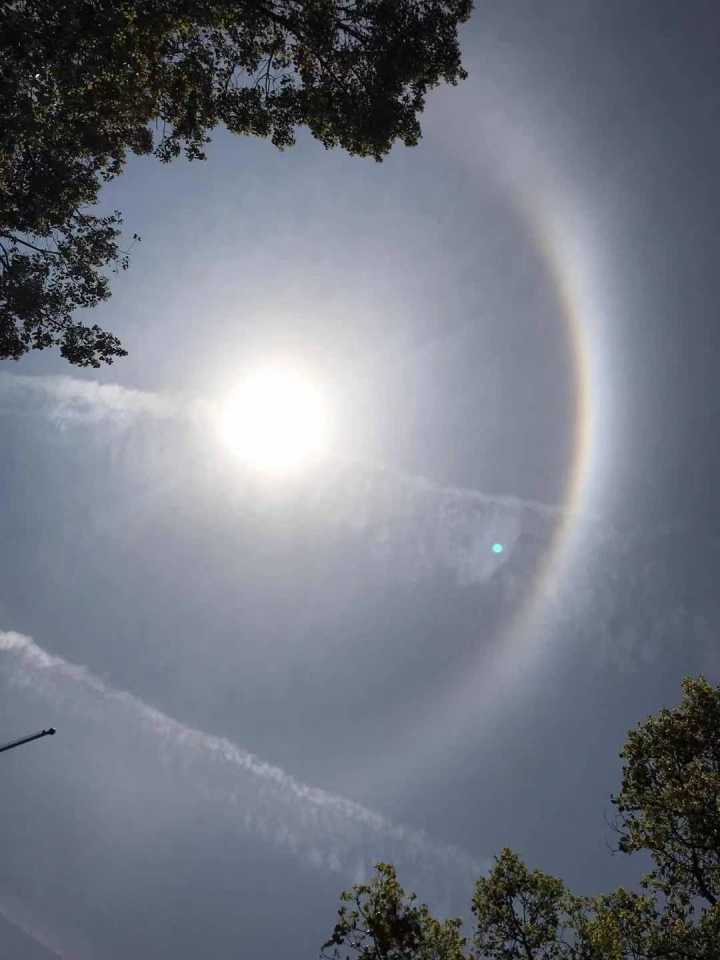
x,y
497,548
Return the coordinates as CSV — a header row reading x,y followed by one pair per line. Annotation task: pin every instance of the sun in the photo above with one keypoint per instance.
x,y
276,421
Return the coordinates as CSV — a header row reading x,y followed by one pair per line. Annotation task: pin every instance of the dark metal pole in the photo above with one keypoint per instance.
x,y
36,736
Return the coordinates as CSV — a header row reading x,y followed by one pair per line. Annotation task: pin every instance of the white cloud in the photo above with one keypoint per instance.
x,y
326,830
70,400
415,526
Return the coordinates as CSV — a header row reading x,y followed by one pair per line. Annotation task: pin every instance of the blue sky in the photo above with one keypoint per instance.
x,y
263,686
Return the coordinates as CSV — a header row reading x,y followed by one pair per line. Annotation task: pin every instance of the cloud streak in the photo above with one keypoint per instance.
x,y
14,912
414,526
327,831
69,401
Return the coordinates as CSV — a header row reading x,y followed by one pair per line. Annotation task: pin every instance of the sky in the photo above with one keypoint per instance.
x,y
264,684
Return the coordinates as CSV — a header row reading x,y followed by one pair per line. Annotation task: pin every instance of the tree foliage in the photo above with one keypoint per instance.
x,y
668,806
523,914
380,921
85,83
669,803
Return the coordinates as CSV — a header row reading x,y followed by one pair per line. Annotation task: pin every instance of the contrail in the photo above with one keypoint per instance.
x,y
15,913
328,831
414,525
68,401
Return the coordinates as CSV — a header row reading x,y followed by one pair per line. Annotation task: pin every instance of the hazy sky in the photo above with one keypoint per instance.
x,y
263,685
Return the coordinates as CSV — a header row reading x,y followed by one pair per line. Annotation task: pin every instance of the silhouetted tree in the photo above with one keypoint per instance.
x,y
85,82
668,806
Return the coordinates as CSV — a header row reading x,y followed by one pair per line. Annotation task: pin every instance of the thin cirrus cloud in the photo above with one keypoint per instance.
x,y
69,400
16,913
415,524
327,831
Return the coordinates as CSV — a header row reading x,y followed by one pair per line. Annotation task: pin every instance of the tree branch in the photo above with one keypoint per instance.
x,y
700,877
26,243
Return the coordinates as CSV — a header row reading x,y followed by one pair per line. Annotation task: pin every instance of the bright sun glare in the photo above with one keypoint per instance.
x,y
276,421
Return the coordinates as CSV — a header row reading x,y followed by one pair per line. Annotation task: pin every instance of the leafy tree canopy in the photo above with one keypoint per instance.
x,y
668,806
83,83
669,803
